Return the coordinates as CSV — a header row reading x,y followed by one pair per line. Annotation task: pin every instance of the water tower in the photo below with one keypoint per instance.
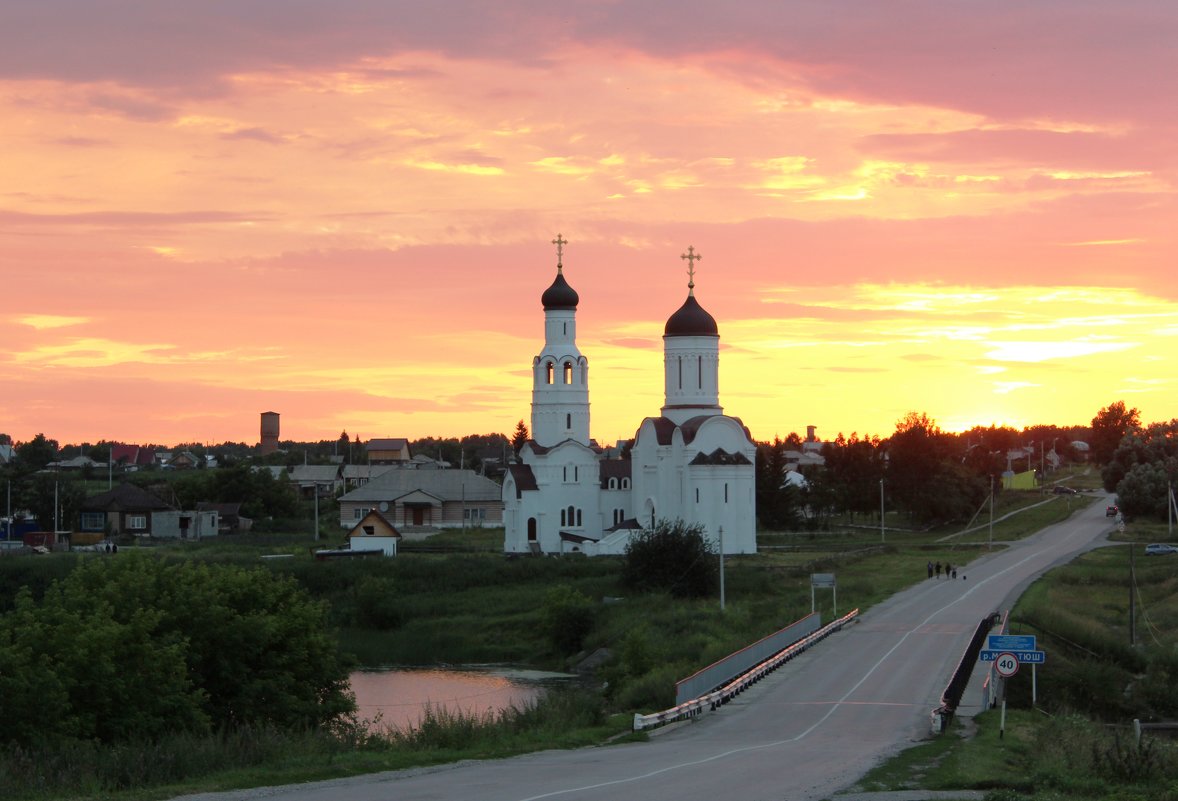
x,y
269,432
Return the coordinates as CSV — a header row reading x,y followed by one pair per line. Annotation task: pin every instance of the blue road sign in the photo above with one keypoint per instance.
x,y
1025,657
1011,642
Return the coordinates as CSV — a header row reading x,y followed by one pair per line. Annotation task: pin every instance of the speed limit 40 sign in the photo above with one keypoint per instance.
x,y
1006,665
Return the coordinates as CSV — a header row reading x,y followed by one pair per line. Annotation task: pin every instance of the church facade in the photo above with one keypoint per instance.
x,y
691,462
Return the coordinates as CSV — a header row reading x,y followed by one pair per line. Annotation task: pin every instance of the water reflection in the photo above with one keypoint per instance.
x,y
396,698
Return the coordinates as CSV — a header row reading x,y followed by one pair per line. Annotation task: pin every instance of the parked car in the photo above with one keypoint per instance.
x,y
1160,549
1111,511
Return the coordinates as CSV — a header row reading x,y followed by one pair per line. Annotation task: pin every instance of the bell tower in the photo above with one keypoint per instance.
x,y
560,373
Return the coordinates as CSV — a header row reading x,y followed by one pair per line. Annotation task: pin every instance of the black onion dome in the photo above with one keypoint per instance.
x,y
691,321
560,295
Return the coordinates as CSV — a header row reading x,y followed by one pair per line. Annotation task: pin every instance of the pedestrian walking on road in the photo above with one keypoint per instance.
x,y
947,568
937,567
954,574
930,569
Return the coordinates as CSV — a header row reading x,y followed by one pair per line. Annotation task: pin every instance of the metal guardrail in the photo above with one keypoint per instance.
x,y
714,700
951,698
736,663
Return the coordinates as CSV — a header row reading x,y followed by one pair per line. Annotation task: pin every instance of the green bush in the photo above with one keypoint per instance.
x,y
674,557
132,648
568,618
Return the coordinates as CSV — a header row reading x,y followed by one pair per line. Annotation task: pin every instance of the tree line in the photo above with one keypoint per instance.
x,y
932,477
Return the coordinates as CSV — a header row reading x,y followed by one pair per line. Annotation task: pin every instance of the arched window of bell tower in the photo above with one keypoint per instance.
x,y
568,372
548,368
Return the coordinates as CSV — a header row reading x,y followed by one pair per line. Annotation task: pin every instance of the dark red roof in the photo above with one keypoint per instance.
x,y
524,478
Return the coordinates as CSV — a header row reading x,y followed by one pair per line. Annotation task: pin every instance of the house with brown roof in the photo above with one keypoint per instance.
x,y
388,451
125,509
374,533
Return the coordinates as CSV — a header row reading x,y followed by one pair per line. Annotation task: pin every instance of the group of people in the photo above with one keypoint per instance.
x,y
937,568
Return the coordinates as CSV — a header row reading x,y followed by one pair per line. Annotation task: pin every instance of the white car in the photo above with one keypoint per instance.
x,y
1160,549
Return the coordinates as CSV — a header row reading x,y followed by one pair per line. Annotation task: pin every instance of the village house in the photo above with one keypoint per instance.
x,y
429,499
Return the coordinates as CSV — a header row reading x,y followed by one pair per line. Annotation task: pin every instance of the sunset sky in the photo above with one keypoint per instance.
x,y
343,211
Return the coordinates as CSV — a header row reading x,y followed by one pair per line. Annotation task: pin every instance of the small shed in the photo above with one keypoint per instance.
x,y
374,533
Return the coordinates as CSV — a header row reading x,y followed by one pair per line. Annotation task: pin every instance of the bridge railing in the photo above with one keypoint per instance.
x,y
951,698
738,662
712,701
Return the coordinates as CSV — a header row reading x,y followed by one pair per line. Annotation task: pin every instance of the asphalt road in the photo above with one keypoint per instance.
x,y
810,729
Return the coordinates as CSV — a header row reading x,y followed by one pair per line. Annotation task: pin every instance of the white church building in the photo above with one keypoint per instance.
x,y
692,462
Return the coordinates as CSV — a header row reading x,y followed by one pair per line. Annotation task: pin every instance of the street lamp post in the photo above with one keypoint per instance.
x,y
721,568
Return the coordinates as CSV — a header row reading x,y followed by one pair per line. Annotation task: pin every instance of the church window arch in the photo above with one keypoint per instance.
x,y
725,492
697,494
568,372
568,422
613,484
625,483
571,513
679,363
564,473
699,368
531,529
576,473
548,369
565,329
578,518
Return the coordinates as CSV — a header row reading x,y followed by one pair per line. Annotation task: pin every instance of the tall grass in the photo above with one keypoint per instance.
x,y
72,769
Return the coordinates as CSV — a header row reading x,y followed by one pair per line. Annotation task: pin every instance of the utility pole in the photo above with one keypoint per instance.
x,y
1132,607
1169,511
881,511
316,492
991,543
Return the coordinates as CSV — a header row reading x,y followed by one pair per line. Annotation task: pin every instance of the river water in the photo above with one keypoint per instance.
x,y
396,698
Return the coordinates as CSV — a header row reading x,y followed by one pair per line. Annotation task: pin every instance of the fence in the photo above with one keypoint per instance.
x,y
714,700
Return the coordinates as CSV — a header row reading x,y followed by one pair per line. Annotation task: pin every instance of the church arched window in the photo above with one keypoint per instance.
x,y
613,484
679,363
564,517
568,372
568,422
578,518
625,483
697,494
572,515
548,368
700,371
725,492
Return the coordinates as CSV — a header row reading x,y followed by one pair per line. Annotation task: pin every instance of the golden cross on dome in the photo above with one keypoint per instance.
x,y
560,242
692,257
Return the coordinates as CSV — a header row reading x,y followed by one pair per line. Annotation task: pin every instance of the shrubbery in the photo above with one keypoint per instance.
x,y
132,648
673,557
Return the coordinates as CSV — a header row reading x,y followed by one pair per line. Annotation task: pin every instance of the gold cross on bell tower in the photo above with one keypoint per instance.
x,y
560,242
692,257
